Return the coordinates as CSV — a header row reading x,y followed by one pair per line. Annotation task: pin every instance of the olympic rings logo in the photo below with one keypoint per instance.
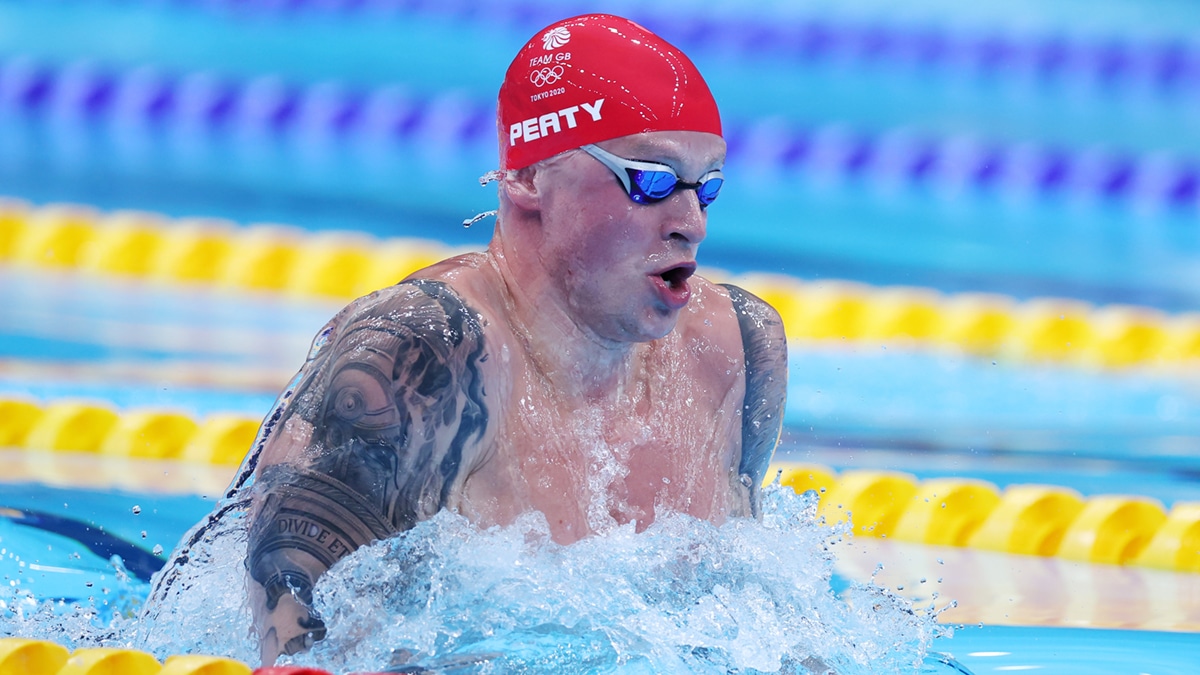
x,y
546,76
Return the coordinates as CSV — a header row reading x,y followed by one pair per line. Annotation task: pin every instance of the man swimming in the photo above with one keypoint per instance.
x,y
577,368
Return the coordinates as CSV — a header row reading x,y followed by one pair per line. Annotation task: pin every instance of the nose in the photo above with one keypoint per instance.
x,y
684,218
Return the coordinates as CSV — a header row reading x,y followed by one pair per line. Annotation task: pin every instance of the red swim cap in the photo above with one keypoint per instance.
x,y
592,78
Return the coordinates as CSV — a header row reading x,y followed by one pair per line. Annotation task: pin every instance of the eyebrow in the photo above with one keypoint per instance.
x,y
656,156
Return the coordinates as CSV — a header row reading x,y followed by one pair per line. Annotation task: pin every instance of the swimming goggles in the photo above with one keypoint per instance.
x,y
650,182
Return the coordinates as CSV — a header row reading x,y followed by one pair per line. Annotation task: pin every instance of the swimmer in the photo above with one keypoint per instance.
x,y
578,367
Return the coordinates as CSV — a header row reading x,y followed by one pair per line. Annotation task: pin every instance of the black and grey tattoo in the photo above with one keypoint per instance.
x,y
765,348
393,397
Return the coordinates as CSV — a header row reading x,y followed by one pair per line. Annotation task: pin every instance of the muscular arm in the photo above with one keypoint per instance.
x,y
765,349
382,419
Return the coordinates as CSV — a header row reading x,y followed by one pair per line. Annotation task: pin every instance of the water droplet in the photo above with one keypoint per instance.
x,y
136,509
157,550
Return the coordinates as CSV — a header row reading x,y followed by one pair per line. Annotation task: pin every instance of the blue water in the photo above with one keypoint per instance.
x,y
620,603
1057,218
845,123
1074,651
683,596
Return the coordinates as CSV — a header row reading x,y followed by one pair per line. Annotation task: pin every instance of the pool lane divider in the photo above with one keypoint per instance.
x,y
220,439
1040,520
343,265
1050,54
1025,519
21,656
203,102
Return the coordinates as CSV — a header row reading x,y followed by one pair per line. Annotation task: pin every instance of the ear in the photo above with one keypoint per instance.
x,y
521,188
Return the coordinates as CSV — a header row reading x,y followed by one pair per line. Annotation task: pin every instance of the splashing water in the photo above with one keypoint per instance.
x,y
204,612
684,596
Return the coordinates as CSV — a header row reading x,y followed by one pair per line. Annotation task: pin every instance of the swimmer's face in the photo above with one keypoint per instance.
x,y
625,266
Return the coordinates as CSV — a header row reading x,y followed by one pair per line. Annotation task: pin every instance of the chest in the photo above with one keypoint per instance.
x,y
667,439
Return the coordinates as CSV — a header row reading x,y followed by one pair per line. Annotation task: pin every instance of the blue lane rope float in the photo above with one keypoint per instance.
x,y
1165,63
207,102
897,156
345,265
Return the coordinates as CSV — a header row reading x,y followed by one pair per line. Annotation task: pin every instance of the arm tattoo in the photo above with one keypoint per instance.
x,y
394,394
765,348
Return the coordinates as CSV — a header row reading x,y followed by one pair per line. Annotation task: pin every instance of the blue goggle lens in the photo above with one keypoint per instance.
x,y
709,189
653,186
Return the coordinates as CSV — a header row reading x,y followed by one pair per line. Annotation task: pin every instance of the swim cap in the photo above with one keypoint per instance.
x,y
595,77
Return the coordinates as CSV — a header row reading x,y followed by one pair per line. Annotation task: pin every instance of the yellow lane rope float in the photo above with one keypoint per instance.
x,y
1026,519
1040,520
20,656
344,265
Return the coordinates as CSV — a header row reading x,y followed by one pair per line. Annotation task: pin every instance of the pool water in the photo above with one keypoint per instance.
x,y
1073,651
56,573
1024,149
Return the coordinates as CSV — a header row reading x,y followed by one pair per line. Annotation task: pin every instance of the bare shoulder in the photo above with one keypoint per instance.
x,y
754,313
394,383
710,316
730,313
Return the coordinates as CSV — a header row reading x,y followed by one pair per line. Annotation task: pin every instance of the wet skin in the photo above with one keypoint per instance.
x,y
576,368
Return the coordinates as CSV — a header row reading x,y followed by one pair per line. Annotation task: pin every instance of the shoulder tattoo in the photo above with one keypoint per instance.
x,y
394,394
765,348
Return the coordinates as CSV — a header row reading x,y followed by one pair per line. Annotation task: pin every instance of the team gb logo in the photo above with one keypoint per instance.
x,y
555,38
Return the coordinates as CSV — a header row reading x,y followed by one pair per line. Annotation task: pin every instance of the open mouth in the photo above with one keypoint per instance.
x,y
677,276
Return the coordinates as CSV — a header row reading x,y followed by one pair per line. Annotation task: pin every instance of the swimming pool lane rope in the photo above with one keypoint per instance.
x,y
1028,519
21,656
1049,52
345,265
152,101
1043,520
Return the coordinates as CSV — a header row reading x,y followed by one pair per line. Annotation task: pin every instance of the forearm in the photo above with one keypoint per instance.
x,y
303,524
283,616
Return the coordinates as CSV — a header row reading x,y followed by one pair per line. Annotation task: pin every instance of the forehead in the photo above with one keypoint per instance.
x,y
677,148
